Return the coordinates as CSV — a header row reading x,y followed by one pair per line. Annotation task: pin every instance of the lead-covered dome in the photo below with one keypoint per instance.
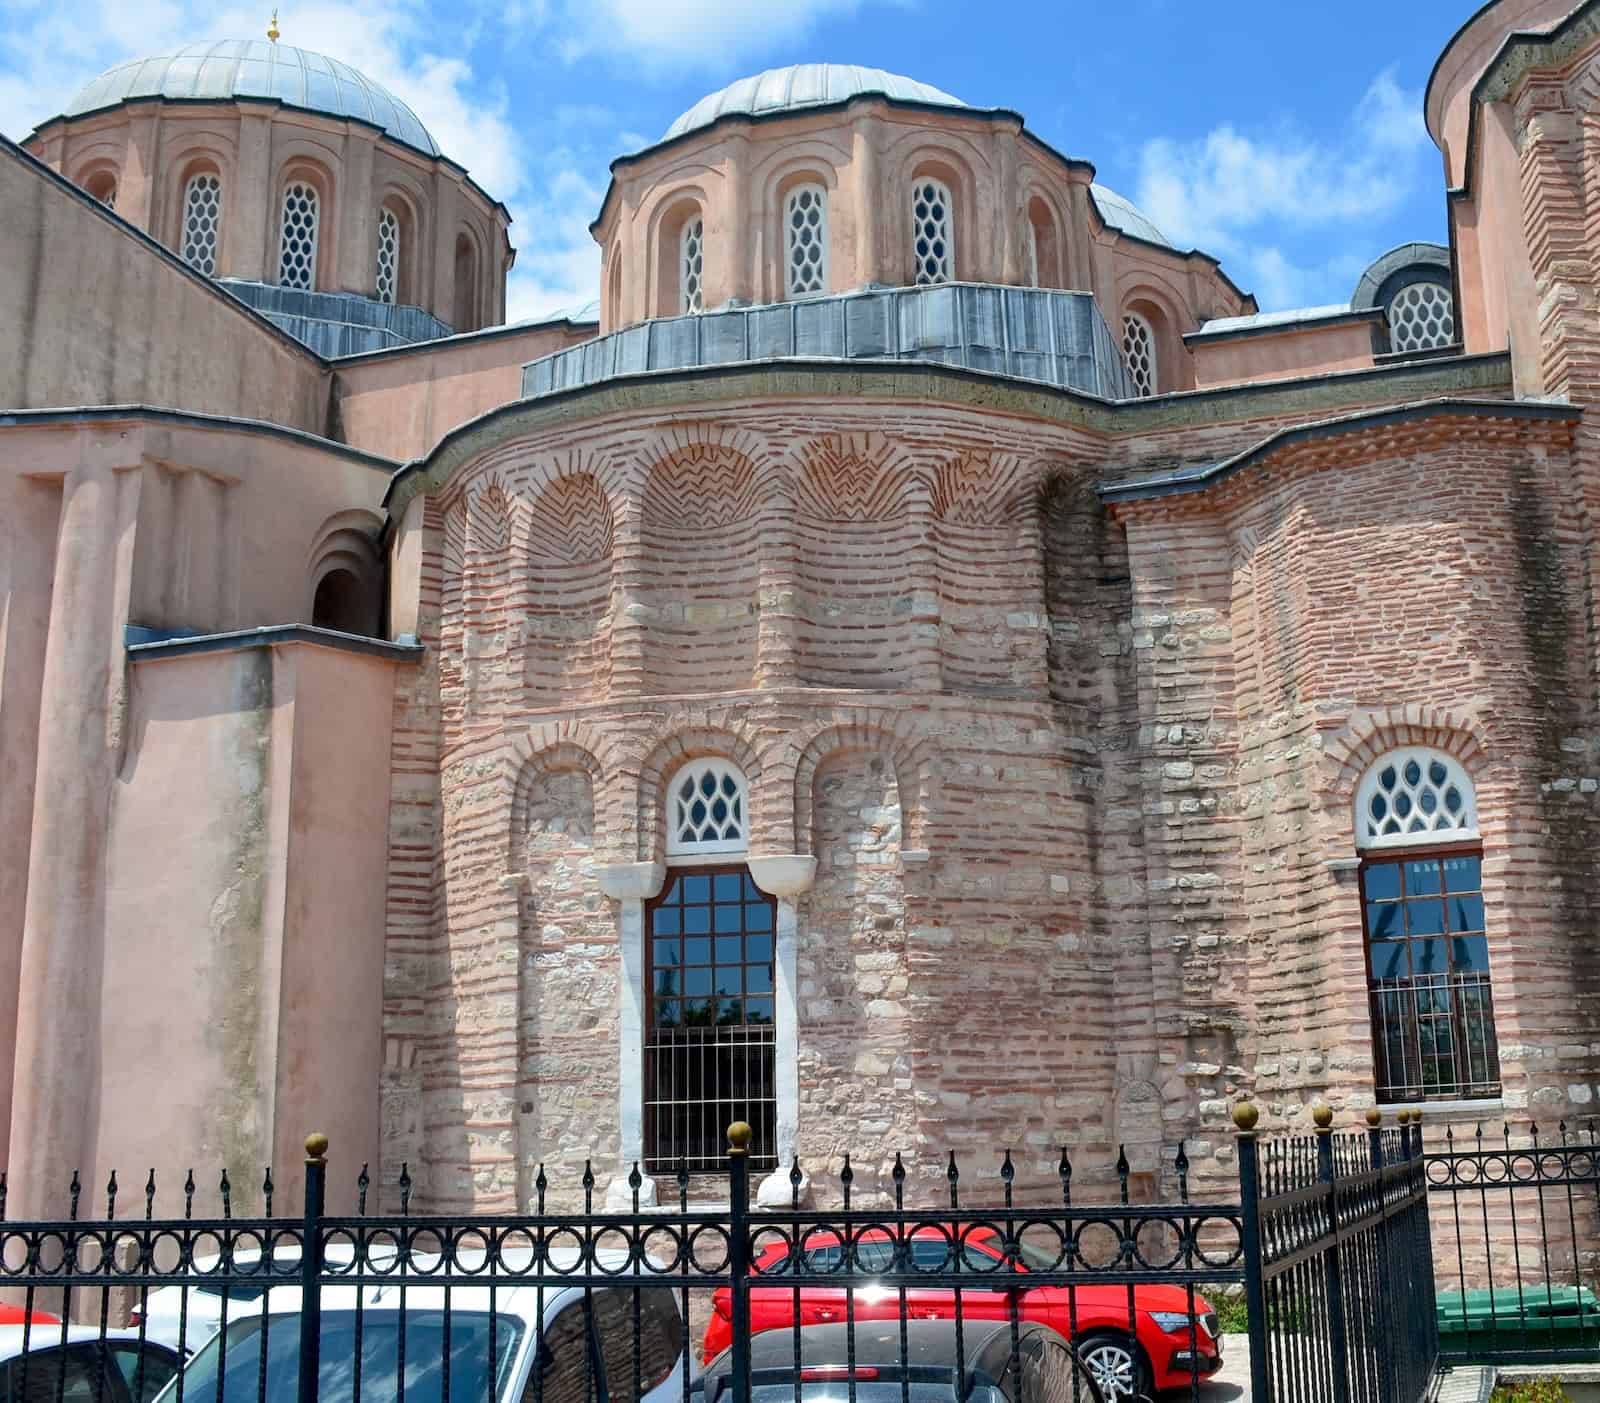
x,y
803,85
257,69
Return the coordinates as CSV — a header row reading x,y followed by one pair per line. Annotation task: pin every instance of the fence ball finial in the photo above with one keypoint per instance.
x,y
1322,1116
1246,1117
739,1137
1374,1117
316,1148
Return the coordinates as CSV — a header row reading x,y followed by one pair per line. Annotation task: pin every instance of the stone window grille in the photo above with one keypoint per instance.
x,y
805,240
388,255
691,266
1421,318
202,222
932,241
708,810
1139,351
1415,796
297,239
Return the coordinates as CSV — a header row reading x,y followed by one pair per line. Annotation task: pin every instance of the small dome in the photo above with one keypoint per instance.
x,y
1126,217
803,85
256,68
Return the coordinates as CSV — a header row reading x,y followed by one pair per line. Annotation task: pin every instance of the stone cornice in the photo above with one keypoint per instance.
x,y
889,381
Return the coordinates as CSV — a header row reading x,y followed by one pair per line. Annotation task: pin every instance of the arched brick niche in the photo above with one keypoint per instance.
x,y
985,517
699,570
566,616
861,547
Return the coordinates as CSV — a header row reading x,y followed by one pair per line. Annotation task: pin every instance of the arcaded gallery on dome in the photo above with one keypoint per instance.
x,y
923,664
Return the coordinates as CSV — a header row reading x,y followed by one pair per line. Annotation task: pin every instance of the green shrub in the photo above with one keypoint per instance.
x,y
1530,1391
1233,1316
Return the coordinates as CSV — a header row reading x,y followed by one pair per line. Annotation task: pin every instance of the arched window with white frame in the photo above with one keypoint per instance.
x,y
933,245
1424,930
805,240
710,967
297,236
202,221
388,255
1139,353
692,265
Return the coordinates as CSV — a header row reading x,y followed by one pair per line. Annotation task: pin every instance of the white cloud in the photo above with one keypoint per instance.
x,y
558,261
1240,195
694,34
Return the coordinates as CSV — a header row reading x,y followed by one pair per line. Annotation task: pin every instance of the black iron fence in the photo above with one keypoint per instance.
x,y
996,1294
1517,1238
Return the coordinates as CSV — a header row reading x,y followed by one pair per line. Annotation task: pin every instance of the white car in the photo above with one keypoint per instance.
x,y
585,1351
185,1317
77,1364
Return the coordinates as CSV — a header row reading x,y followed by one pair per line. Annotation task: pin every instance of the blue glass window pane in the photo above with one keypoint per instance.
x,y
751,891
728,981
729,918
729,1014
1402,804
1422,878
668,952
758,979
758,1011
1425,917
759,948
697,920
666,920
758,917
1382,881
1466,912
1389,960
674,893
697,889
667,981
697,952
667,1013
696,1013
730,949
1383,921
697,982
1428,957
728,886
1463,873
1470,954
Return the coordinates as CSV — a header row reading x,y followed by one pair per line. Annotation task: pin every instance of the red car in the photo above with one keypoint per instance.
x,y
1158,1354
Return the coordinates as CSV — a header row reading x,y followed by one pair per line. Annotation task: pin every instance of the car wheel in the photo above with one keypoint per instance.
x,y
1117,1365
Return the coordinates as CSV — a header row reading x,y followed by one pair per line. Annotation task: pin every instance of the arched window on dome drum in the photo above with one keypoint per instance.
x,y
692,266
1139,353
103,186
932,233
805,240
466,298
297,236
1421,318
388,271
202,222
1424,931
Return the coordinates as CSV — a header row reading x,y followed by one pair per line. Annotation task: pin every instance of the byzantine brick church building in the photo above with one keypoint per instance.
x,y
923,664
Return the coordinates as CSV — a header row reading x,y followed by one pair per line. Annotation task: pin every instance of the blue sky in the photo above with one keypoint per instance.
x,y
1282,136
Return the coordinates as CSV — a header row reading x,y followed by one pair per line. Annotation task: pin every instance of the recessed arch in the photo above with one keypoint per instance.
x,y
344,575
305,241
467,256
1042,230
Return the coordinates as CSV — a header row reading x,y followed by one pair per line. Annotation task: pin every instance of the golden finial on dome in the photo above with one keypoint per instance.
x,y
272,27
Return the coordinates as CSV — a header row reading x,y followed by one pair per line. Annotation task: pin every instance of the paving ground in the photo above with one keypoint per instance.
x,y
1232,1383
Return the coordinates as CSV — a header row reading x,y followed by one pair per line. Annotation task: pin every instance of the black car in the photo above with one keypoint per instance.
x,y
1038,1367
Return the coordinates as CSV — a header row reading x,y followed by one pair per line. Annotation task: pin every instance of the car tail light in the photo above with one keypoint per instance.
x,y
822,1373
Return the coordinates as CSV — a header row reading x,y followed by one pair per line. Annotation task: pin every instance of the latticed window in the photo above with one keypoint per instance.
x,y
805,240
691,266
1415,796
202,222
1139,351
932,244
388,255
707,810
1426,939
1421,317
297,240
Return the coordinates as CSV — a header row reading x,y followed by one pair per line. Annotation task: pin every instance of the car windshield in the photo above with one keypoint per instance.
x,y
244,1381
